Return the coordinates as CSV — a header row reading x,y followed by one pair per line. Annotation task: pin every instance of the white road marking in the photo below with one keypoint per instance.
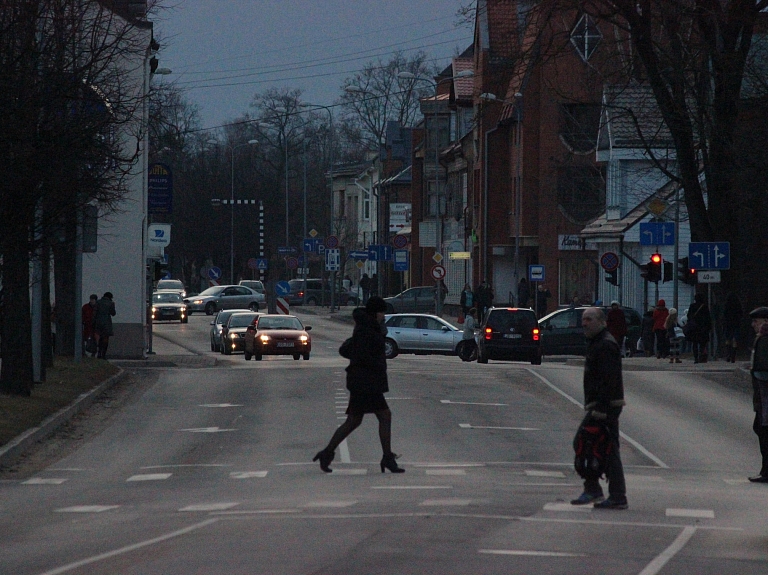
x,y
149,477
530,553
257,512
344,452
412,487
129,548
338,471
567,507
450,502
736,481
209,507
221,405
448,464
700,513
449,402
44,481
649,478
398,398
187,465
677,545
626,438
331,503
470,426
248,474
206,430
446,471
536,473
87,509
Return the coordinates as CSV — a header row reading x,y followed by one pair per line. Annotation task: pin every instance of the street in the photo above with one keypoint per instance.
x,y
209,471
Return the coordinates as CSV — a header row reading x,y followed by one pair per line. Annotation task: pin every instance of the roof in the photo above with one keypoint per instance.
x,y
632,119
602,227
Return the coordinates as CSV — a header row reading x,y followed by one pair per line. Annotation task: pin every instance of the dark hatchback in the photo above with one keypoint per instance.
x,y
511,334
562,334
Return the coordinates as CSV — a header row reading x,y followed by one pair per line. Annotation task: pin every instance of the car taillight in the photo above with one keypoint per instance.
x,y
488,332
535,334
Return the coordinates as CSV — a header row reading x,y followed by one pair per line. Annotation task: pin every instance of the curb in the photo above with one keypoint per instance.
x,y
21,443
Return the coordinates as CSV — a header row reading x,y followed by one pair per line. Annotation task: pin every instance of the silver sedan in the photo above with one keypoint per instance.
x,y
225,297
420,333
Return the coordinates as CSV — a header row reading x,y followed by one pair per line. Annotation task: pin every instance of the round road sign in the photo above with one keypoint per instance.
x,y
292,263
609,261
438,272
253,264
214,273
400,241
331,242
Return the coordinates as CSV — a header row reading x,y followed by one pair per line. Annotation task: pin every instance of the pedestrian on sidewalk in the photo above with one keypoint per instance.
x,y
467,299
759,371
468,346
673,336
603,403
542,295
646,331
659,317
617,324
102,323
698,327
366,382
87,312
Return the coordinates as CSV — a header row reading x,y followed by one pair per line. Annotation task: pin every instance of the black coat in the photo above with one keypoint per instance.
x,y
367,370
603,384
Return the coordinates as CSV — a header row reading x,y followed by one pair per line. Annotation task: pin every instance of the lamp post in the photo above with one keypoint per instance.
x,y
439,214
232,204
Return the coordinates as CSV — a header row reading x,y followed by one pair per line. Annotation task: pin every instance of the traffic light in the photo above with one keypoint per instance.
x,y
669,271
653,273
685,273
612,277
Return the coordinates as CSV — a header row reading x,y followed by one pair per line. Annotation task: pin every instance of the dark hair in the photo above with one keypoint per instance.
x,y
93,296
376,304
108,294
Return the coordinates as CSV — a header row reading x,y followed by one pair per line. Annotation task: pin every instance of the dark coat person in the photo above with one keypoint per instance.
x,y
367,383
542,295
759,372
603,402
698,327
102,323
523,293
646,332
659,317
617,323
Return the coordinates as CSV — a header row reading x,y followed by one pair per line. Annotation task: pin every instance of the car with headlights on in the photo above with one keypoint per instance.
x,y
217,325
420,334
172,285
217,298
169,306
233,331
276,334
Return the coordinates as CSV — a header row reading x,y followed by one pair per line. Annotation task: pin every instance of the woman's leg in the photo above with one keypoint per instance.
x,y
352,422
385,430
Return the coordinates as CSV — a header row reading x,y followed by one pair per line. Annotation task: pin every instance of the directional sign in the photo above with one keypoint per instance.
x,y
282,288
310,244
380,252
358,255
709,255
286,250
609,261
536,273
400,260
657,234
214,273
438,272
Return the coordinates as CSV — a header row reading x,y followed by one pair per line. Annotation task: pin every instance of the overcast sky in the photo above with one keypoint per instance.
x,y
225,51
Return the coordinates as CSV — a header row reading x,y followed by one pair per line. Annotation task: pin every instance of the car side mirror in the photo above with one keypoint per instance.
x,y
307,327
212,323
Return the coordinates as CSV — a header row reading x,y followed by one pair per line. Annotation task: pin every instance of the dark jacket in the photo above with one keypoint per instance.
x,y
646,325
701,320
367,370
603,385
102,317
759,365
617,323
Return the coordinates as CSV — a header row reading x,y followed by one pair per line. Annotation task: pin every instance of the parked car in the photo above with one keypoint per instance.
x,y
413,300
225,297
255,285
562,334
233,331
216,326
420,334
318,293
172,285
509,333
278,335
168,306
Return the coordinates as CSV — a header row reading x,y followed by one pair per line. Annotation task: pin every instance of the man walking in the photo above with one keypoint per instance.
x,y
603,402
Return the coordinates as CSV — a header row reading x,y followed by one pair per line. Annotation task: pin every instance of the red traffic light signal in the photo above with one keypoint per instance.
x,y
652,270
656,258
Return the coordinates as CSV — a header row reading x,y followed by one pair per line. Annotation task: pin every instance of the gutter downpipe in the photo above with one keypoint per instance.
x,y
486,268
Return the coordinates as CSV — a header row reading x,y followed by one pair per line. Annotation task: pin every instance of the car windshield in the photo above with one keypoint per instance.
x,y
166,298
504,321
170,284
215,290
280,323
223,316
241,320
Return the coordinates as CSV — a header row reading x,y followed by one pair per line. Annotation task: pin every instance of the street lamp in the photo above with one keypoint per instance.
x,y
232,204
439,218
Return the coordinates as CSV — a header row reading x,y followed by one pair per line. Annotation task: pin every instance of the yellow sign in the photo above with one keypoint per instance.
x,y
438,257
359,264
460,255
312,233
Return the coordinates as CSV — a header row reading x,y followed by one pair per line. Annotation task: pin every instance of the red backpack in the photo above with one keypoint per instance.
x,y
592,445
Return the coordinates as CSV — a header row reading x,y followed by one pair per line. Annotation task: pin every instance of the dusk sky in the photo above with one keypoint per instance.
x,y
225,51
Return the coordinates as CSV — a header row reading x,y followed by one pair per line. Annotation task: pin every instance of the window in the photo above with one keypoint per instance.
x,y
564,320
434,325
585,37
366,206
579,126
581,192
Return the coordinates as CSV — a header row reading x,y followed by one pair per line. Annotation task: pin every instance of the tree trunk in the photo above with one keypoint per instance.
x,y
16,374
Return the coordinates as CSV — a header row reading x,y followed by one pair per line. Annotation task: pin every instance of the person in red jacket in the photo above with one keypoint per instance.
x,y
659,317
87,318
617,323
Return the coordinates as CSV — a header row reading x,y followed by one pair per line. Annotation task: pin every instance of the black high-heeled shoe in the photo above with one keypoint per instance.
x,y
388,462
325,458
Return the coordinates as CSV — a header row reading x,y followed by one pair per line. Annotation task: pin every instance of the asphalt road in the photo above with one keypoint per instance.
x,y
207,470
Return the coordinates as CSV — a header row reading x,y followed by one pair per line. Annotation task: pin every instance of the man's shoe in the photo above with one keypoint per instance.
x,y
759,479
587,498
612,504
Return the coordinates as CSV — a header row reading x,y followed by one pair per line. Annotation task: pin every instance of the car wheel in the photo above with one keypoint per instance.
x,y
257,356
296,356
210,308
247,356
254,306
225,349
306,356
390,348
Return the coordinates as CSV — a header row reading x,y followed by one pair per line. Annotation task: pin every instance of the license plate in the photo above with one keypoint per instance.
x,y
169,312
513,335
284,344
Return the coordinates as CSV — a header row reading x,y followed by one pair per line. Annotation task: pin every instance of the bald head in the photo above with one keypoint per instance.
x,y
593,321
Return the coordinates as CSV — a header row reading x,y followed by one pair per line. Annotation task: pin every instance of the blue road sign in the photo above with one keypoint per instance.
x,y
709,255
262,263
535,273
214,273
286,250
657,234
358,255
312,244
282,288
400,260
380,252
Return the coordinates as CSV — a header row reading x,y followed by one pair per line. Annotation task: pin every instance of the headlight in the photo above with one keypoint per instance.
x,y
232,336
264,338
304,338
197,302
154,309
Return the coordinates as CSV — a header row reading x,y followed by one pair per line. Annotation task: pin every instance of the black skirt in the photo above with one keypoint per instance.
x,y
366,403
